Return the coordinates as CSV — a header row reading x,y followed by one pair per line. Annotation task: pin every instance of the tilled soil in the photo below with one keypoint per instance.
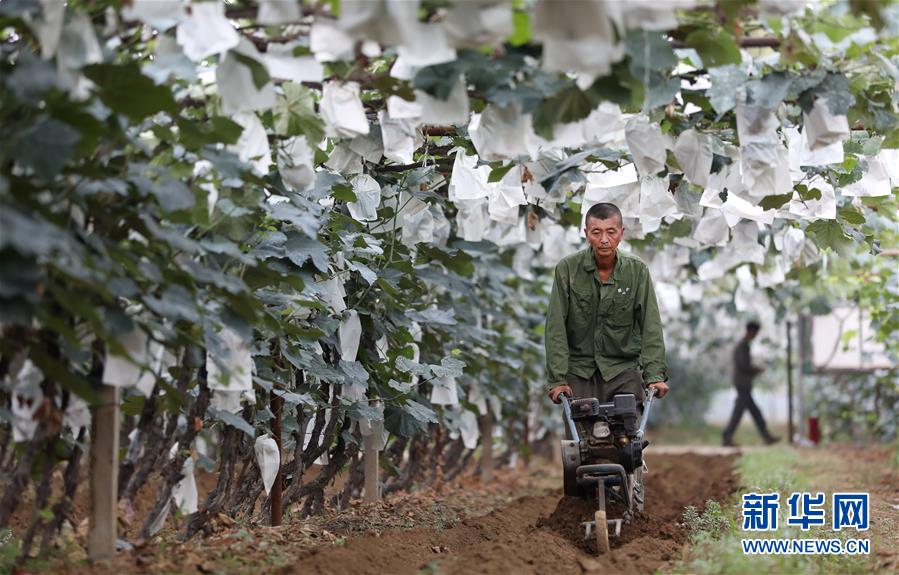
x,y
542,534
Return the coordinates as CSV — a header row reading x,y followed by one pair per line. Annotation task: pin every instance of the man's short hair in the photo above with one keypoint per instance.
x,y
604,211
753,326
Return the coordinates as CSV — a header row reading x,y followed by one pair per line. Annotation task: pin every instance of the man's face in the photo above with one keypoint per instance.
x,y
751,333
604,235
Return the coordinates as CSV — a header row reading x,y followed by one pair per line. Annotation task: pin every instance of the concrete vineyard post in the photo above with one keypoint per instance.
x,y
371,492
104,474
790,381
277,510
486,448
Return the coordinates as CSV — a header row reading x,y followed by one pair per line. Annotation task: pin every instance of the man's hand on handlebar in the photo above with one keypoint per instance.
x,y
558,390
661,388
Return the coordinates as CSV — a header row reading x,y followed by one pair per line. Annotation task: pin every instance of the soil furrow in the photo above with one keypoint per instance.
x,y
542,534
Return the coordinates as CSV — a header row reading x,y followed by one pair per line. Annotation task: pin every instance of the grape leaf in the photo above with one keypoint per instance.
x,y
343,192
218,129
725,81
400,386
716,48
45,147
354,371
499,173
409,419
406,365
828,233
127,91
299,249
771,90
432,315
569,105
850,215
649,50
232,419
774,202
294,114
258,70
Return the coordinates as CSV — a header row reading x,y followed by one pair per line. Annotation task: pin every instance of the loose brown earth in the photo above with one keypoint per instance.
x,y
541,533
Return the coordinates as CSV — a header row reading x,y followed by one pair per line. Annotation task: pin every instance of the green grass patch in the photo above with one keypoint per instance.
x,y
705,434
9,550
717,531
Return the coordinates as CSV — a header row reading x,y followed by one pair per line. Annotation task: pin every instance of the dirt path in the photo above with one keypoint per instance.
x,y
541,534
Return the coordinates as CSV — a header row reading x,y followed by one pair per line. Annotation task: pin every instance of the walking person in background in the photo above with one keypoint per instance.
x,y
744,373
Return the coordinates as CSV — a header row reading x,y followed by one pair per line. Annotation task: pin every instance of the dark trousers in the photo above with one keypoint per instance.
x,y
744,402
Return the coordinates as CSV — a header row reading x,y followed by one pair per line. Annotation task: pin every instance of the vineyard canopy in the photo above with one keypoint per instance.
x,y
353,205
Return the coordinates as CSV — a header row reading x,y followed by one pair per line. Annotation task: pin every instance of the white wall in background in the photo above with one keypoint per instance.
x,y
859,352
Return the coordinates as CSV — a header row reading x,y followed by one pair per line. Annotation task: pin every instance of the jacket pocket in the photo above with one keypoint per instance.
x,y
621,313
580,311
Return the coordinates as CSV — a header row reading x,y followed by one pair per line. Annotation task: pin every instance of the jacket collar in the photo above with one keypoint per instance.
x,y
587,259
589,263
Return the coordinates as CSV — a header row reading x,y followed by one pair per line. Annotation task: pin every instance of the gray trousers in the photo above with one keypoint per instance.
x,y
744,402
628,381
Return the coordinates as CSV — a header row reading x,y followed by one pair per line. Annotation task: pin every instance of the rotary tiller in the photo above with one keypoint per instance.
x,y
603,458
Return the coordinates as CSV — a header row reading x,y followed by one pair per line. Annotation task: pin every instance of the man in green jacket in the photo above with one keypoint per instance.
x,y
603,324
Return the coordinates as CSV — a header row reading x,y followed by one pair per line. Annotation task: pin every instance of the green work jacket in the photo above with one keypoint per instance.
x,y
611,326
